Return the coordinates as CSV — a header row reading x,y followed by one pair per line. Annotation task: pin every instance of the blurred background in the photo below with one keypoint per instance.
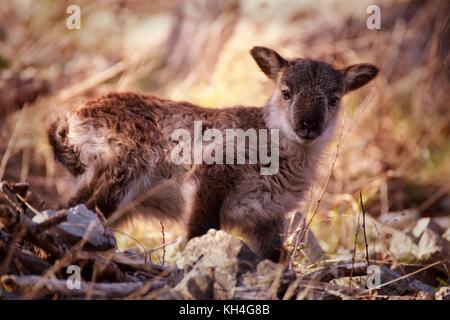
x,y
394,147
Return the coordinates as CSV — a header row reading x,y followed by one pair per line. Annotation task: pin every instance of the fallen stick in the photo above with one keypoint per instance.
x,y
327,274
26,263
102,265
17,222
390,279
40,238
13,195
51,222
50,287
300,288
138,264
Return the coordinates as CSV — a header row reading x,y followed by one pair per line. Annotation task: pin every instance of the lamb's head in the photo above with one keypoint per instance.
x,y
306,99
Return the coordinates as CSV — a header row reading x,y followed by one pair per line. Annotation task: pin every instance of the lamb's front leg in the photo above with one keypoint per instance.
x,y
266,238
214,184
205,214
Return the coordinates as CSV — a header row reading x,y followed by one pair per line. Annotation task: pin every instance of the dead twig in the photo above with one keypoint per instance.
x,y
163,242
51,222
354,254
364,228
19,223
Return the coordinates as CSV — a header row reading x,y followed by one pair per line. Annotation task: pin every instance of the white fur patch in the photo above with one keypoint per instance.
x,y
279,120
92,144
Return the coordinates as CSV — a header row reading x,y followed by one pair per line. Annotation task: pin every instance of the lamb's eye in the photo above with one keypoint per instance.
x,y
333,101
286,94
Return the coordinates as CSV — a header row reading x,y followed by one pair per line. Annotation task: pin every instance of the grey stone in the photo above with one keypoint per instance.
x,y
443,294
80,223
238,272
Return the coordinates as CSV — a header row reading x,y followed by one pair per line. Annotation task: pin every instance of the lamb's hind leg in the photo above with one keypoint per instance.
x,y
113,184
110,183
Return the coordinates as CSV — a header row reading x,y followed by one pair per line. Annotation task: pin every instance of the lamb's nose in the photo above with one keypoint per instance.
x,y
308,125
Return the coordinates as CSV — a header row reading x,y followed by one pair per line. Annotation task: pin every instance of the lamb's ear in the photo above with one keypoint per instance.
x,y
357,75
268,61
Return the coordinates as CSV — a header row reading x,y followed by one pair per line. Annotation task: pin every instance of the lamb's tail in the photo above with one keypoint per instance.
x,y
63,152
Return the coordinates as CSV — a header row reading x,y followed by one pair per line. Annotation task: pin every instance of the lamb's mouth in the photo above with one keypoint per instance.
x,y
306,141
307,138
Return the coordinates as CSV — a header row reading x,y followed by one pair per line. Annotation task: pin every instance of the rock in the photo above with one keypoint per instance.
x,y
443,294
228,256
196,285
431,245
400,287
427,224
426,243
402,246
399,220
432,248
265,283
81,222
236,269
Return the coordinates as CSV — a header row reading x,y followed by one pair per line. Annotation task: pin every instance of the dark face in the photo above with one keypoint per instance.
x,y
306,100
310,91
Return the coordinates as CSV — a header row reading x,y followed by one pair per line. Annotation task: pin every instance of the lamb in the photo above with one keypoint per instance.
x,y
120,146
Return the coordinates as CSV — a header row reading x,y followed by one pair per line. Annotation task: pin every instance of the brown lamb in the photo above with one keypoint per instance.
x,y
119,147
